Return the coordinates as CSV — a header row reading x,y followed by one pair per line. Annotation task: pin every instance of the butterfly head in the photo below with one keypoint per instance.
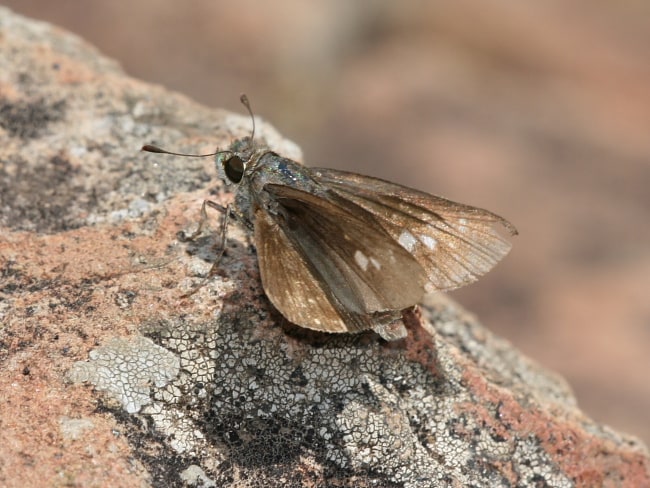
x,y
231,164
239,161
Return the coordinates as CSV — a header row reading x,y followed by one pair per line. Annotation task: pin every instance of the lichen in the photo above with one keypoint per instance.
x,y
231,399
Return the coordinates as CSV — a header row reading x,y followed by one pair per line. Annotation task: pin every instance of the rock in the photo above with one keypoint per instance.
x,y
215,389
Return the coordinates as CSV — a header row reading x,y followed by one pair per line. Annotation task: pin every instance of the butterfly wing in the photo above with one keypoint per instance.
x,y
364,269
454,243
294,286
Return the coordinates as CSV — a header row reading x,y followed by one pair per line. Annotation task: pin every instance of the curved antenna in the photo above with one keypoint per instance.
x,y
244,101
155,149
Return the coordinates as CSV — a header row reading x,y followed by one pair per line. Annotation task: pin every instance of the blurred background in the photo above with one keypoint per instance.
x,y
538,111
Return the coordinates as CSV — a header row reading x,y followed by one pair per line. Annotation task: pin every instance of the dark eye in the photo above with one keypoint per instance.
x,y
234,168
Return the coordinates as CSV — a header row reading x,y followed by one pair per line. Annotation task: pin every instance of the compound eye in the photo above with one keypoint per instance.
x,y
234,169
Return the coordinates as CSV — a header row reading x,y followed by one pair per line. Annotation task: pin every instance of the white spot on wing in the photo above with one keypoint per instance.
x,y
375,263
361,260
407,241
428,241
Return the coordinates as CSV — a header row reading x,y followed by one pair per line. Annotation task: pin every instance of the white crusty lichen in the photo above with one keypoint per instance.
x,y
227,397
126,369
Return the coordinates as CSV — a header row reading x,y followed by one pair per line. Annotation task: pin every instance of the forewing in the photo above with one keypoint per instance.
x,y
454,243
294,286
362,265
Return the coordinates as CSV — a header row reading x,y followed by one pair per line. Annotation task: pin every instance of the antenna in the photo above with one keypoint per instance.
x,y
156,149
244,101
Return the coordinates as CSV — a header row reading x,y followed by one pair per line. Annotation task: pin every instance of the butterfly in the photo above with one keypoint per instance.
x,y
343,252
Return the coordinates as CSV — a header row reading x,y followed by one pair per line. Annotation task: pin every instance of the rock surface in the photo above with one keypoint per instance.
x,y
214,389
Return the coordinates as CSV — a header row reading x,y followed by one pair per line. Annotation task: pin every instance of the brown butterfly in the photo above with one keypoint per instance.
x,y
343,252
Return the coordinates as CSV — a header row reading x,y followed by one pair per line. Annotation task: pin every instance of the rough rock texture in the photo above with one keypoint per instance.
x,y
109,377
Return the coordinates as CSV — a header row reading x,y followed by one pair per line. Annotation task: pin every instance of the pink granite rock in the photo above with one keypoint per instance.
x,y
111,377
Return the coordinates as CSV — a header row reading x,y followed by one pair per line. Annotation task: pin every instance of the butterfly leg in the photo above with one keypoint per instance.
x,y
204,218
229,213
220,246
